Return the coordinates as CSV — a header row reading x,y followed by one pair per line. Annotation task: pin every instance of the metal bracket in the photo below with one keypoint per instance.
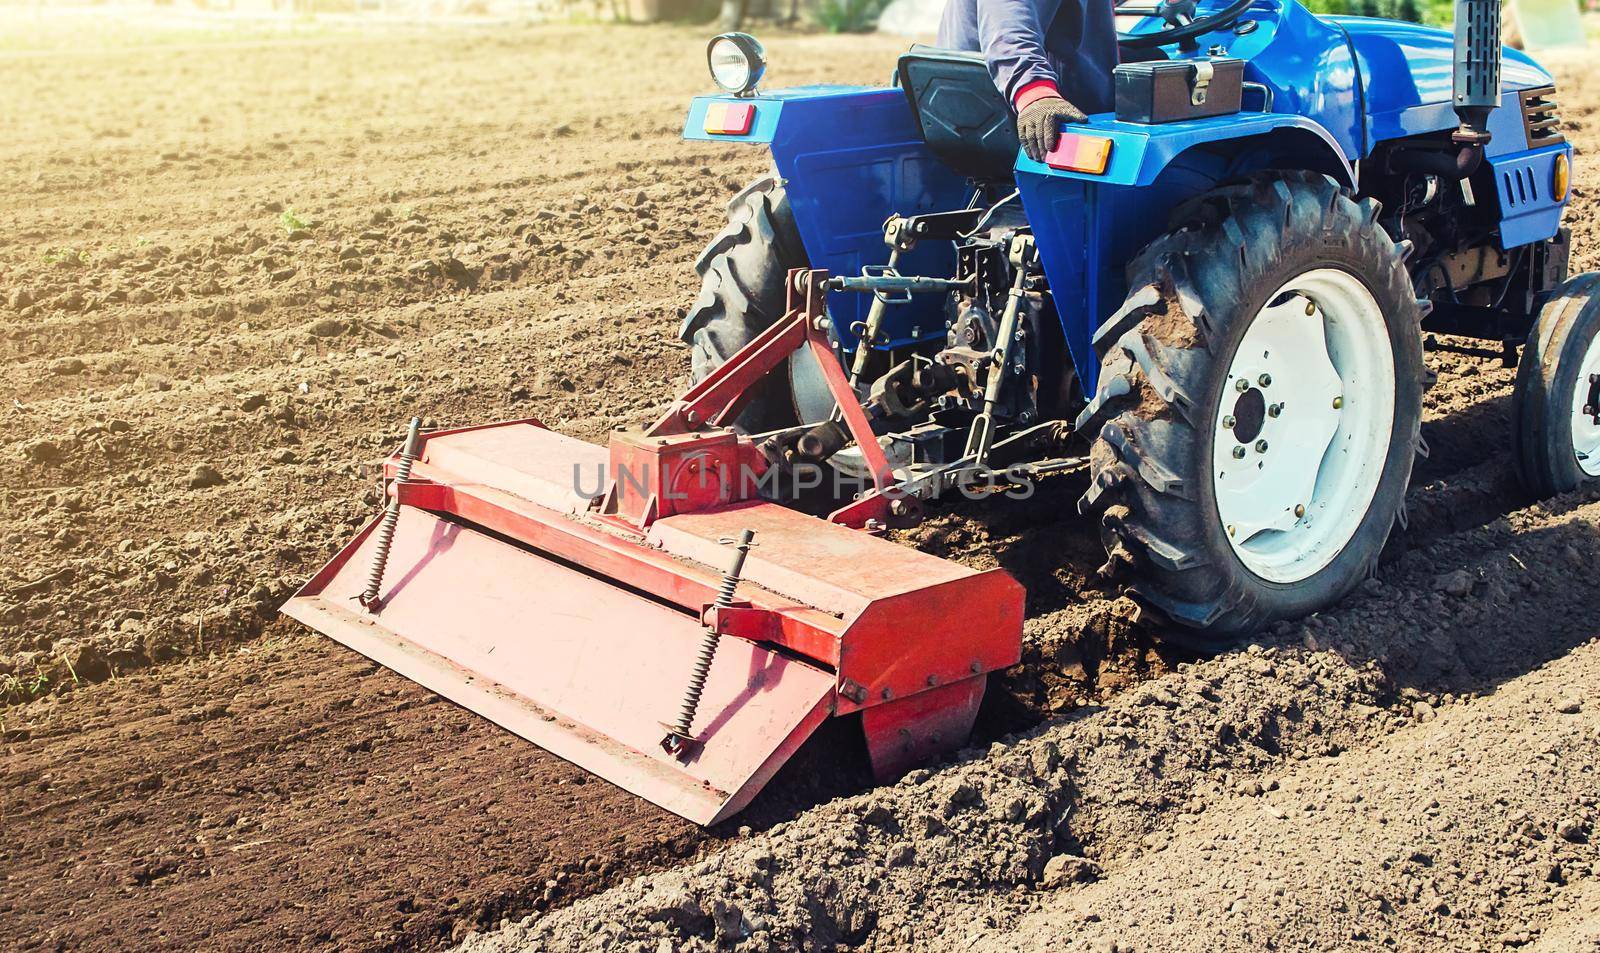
x,y
1267,96
1200,85
981,436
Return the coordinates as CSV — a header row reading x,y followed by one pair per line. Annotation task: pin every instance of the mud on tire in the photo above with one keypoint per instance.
x,y
742,274
1167,356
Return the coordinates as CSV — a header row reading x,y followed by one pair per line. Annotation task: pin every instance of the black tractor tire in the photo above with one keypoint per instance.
x,y
1167,354
743,274
1547,378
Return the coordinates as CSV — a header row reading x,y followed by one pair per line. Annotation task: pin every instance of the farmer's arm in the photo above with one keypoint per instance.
x,y
1011,37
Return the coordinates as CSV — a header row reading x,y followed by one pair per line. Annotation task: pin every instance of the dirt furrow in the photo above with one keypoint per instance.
x,y
1381,847
185,796
972,848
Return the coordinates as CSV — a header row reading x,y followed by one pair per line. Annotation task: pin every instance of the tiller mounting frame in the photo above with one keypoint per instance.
x,y
707,410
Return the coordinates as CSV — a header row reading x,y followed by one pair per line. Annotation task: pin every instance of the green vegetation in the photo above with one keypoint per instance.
x,y
16,689
66,256
1437,12
291,222
848,16
71,671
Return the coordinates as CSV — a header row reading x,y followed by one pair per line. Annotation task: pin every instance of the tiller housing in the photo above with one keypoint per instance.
x,y
570,593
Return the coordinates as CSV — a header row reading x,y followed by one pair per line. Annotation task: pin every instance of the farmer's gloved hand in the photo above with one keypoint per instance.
x,y
1039,124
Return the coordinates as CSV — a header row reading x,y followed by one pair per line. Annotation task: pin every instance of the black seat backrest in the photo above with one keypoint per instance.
x,y
965,119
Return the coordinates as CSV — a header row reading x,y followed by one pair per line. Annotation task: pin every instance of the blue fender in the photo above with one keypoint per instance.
x,y
1140,153
1088,227
851,156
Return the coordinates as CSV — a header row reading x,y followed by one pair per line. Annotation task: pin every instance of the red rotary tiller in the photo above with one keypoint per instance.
x,y
641,611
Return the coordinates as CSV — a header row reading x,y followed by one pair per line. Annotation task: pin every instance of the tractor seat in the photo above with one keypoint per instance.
x,y
964,118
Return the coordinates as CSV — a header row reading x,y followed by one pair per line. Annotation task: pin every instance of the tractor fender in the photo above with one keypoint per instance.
x,y
1088,227
1140,153
802,118
848,157
832,119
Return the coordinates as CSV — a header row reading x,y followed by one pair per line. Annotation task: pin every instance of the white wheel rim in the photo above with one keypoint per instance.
x,y
1302,431
1585,424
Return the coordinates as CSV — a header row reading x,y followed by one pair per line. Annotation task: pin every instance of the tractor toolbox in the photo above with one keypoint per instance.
x,y
1171,90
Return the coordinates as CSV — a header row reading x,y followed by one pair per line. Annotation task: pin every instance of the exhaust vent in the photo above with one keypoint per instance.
x,y
1476,77
1539,117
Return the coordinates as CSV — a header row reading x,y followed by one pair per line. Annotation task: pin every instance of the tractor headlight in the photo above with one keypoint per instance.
x,y
737,62
1561,178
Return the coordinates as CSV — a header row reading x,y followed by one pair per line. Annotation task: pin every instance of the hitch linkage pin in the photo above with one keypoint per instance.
x,y
391,516
676,742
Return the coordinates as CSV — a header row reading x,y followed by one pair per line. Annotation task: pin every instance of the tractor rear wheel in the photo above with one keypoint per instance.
x,y
1556,408
1269,411
742,292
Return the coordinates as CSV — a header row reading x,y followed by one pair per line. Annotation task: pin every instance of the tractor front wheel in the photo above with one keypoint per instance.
x,y
1270,408
1556,407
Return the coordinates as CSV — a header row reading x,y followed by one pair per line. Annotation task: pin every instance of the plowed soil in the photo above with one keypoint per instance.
x,y
289,795
231,265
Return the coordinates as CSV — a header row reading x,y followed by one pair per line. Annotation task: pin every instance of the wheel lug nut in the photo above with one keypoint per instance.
x,y
1261,446
1265,380
1338,402
1274,410
1241,385
1238,453
1228,422
1299,510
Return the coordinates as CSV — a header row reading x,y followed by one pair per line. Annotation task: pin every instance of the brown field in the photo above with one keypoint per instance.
x,y
234,261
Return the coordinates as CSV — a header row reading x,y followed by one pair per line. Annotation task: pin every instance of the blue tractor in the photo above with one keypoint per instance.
x,y
1214,298
1211,301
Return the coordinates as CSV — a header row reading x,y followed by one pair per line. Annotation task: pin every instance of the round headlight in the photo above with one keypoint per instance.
x,y
1561,179
737,62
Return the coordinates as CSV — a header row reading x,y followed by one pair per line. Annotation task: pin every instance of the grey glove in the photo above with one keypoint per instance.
x,y
1039,124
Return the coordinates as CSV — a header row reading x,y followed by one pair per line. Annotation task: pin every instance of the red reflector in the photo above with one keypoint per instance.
x,y
730,119
1088,154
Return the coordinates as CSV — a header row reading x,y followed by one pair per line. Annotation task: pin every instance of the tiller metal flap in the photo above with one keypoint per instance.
x,y
609,606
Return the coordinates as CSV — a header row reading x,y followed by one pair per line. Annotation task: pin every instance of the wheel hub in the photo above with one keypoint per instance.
x,y
1586,412
1249,414
1271,467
